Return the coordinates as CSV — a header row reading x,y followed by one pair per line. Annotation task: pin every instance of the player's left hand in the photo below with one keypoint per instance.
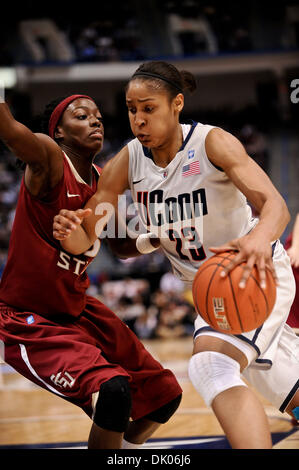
x,y
254,251
67,221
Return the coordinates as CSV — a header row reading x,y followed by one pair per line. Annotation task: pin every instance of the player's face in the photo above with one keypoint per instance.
x,y
81,126
153,116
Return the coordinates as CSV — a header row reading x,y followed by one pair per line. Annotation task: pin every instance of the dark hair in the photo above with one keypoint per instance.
x,y
45,117
166,75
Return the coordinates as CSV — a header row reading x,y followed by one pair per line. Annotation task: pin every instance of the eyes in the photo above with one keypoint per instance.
x,y
83,116
147,109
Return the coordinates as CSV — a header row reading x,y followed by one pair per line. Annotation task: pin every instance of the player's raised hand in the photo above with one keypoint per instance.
x,y
252,250
67,221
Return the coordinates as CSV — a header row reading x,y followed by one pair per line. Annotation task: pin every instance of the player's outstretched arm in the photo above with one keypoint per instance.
x,y
39,151
102,207
78,230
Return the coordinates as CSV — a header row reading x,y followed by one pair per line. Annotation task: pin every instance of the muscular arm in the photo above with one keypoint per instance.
x,y
41,154
226,151
101,207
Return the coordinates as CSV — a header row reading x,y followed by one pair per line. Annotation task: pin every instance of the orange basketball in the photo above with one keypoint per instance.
x,y
223,304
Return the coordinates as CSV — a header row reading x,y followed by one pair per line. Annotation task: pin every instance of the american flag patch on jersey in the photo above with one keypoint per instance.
x,y
191,169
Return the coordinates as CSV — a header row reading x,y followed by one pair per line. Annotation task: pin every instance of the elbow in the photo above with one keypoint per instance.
x,y
284,211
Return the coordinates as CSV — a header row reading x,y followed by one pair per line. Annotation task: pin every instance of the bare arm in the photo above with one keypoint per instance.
x,y
226,151
41,154
98,211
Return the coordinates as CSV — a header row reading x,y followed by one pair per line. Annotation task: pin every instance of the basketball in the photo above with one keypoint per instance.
x,y
223,304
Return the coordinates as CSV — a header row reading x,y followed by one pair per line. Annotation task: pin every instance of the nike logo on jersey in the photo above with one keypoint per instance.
x,y
138,181
72,195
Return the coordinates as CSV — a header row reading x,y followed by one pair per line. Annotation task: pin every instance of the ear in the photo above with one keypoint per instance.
x,y
179,102
58,133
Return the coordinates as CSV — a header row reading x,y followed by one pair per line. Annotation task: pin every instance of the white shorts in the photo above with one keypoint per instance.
x,y
272,350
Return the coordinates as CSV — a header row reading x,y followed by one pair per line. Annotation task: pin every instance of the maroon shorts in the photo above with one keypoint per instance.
x,y
72,357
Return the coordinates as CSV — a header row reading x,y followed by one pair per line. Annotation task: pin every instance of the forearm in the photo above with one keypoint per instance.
x,y
130,247
123,247
273,219
78,242
18,138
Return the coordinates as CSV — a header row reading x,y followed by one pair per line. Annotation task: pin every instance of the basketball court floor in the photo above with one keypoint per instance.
x,y
31,418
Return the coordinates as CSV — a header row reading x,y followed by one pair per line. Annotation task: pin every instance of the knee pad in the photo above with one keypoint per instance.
x,y
211,373
113,407
164,413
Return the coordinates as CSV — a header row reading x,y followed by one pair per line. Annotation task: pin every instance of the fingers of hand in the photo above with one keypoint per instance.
x,y
238,259
261,266
82,213
270,266
220,249
59,236
248,267
65,223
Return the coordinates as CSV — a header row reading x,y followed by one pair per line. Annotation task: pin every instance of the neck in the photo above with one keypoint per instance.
x,y
83,164
163,155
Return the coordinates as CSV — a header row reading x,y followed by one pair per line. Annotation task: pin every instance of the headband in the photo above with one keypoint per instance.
x,y
156,75
60,108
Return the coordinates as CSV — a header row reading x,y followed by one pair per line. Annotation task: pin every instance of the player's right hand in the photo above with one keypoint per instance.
x,y
294,256
68,221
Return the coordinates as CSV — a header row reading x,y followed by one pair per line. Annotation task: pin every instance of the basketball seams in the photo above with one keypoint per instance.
x,y
207,293
205,287
235,301
265,298
210,281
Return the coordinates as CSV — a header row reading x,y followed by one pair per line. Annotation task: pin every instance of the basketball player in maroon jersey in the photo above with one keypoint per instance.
x,y
54,334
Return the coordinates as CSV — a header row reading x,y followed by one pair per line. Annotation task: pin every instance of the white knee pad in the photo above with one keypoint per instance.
x,y
211,373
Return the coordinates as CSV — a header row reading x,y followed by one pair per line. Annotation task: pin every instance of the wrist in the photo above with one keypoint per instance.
x,y
144,244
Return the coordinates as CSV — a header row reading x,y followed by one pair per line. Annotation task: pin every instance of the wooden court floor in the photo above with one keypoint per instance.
x,y
31,416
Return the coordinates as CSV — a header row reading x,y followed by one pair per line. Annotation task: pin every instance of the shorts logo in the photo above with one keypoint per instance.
x,y
63,379
219,312
30,319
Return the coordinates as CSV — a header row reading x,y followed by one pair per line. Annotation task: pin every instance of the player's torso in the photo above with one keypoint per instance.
x,y
39,275
190,204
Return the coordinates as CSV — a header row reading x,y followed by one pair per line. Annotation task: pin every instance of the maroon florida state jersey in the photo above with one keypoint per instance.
x,y
39,275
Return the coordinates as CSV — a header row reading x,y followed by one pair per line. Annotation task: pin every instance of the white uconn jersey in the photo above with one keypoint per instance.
x,y
191,205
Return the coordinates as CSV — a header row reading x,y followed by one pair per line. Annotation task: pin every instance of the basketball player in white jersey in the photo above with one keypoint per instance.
x,y
191,183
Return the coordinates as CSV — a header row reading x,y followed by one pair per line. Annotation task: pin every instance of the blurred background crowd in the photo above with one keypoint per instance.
x,y
226,44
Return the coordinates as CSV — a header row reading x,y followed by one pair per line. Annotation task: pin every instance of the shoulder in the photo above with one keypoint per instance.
x,y
219,138
120,159
223,148
51,146
42,176
116,169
